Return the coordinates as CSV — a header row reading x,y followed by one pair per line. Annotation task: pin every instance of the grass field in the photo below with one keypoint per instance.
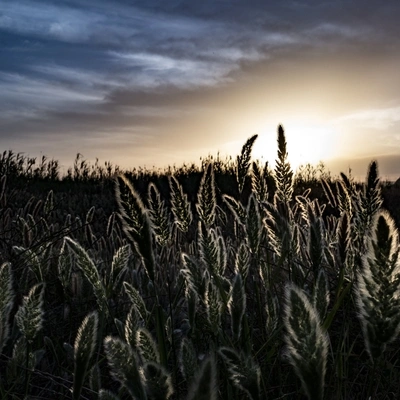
x,y
227,281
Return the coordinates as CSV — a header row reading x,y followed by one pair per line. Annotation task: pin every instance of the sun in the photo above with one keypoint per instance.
x,y
306,143
309,144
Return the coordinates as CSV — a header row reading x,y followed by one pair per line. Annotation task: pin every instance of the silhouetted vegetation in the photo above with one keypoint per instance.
x,y
226,280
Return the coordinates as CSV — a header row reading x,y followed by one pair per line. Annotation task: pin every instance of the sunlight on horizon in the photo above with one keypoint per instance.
x,y
306,143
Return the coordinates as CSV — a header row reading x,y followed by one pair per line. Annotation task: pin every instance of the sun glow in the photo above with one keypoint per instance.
x,y
309,144
305,144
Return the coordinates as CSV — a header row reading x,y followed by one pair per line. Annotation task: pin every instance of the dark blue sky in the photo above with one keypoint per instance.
x,y
162,82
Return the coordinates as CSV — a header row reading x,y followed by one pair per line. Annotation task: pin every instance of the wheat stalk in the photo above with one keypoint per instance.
x,y
195,279
209,250
237,209
312,215
307,345
64,266
119,267
124,366
366,205
158,381
193,274
371,199
131,207
206,200
131,326
159,216
211,257
136,299
180,206
243,371
84,347
283,237
213,307
343,240
31,260
321,294
187,359
327,187
136,222
87,266
222,255
378,289
243,162
258,182
146,345
272,311
29,317
283,172
345,192
242,260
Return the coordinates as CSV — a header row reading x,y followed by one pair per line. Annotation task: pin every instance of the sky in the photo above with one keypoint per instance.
x,y
162,82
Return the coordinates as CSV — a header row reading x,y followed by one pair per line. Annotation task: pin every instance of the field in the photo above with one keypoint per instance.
x,y
228,281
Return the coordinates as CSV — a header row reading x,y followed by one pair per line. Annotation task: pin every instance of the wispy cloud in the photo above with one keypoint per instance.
x,y
47,20
329,29
377,118
23,96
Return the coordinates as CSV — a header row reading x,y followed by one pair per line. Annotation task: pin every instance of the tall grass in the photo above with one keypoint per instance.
x,y
227,281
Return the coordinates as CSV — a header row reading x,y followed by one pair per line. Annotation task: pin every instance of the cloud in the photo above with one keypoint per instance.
x,y
24,96
46,20
181,72
378,118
